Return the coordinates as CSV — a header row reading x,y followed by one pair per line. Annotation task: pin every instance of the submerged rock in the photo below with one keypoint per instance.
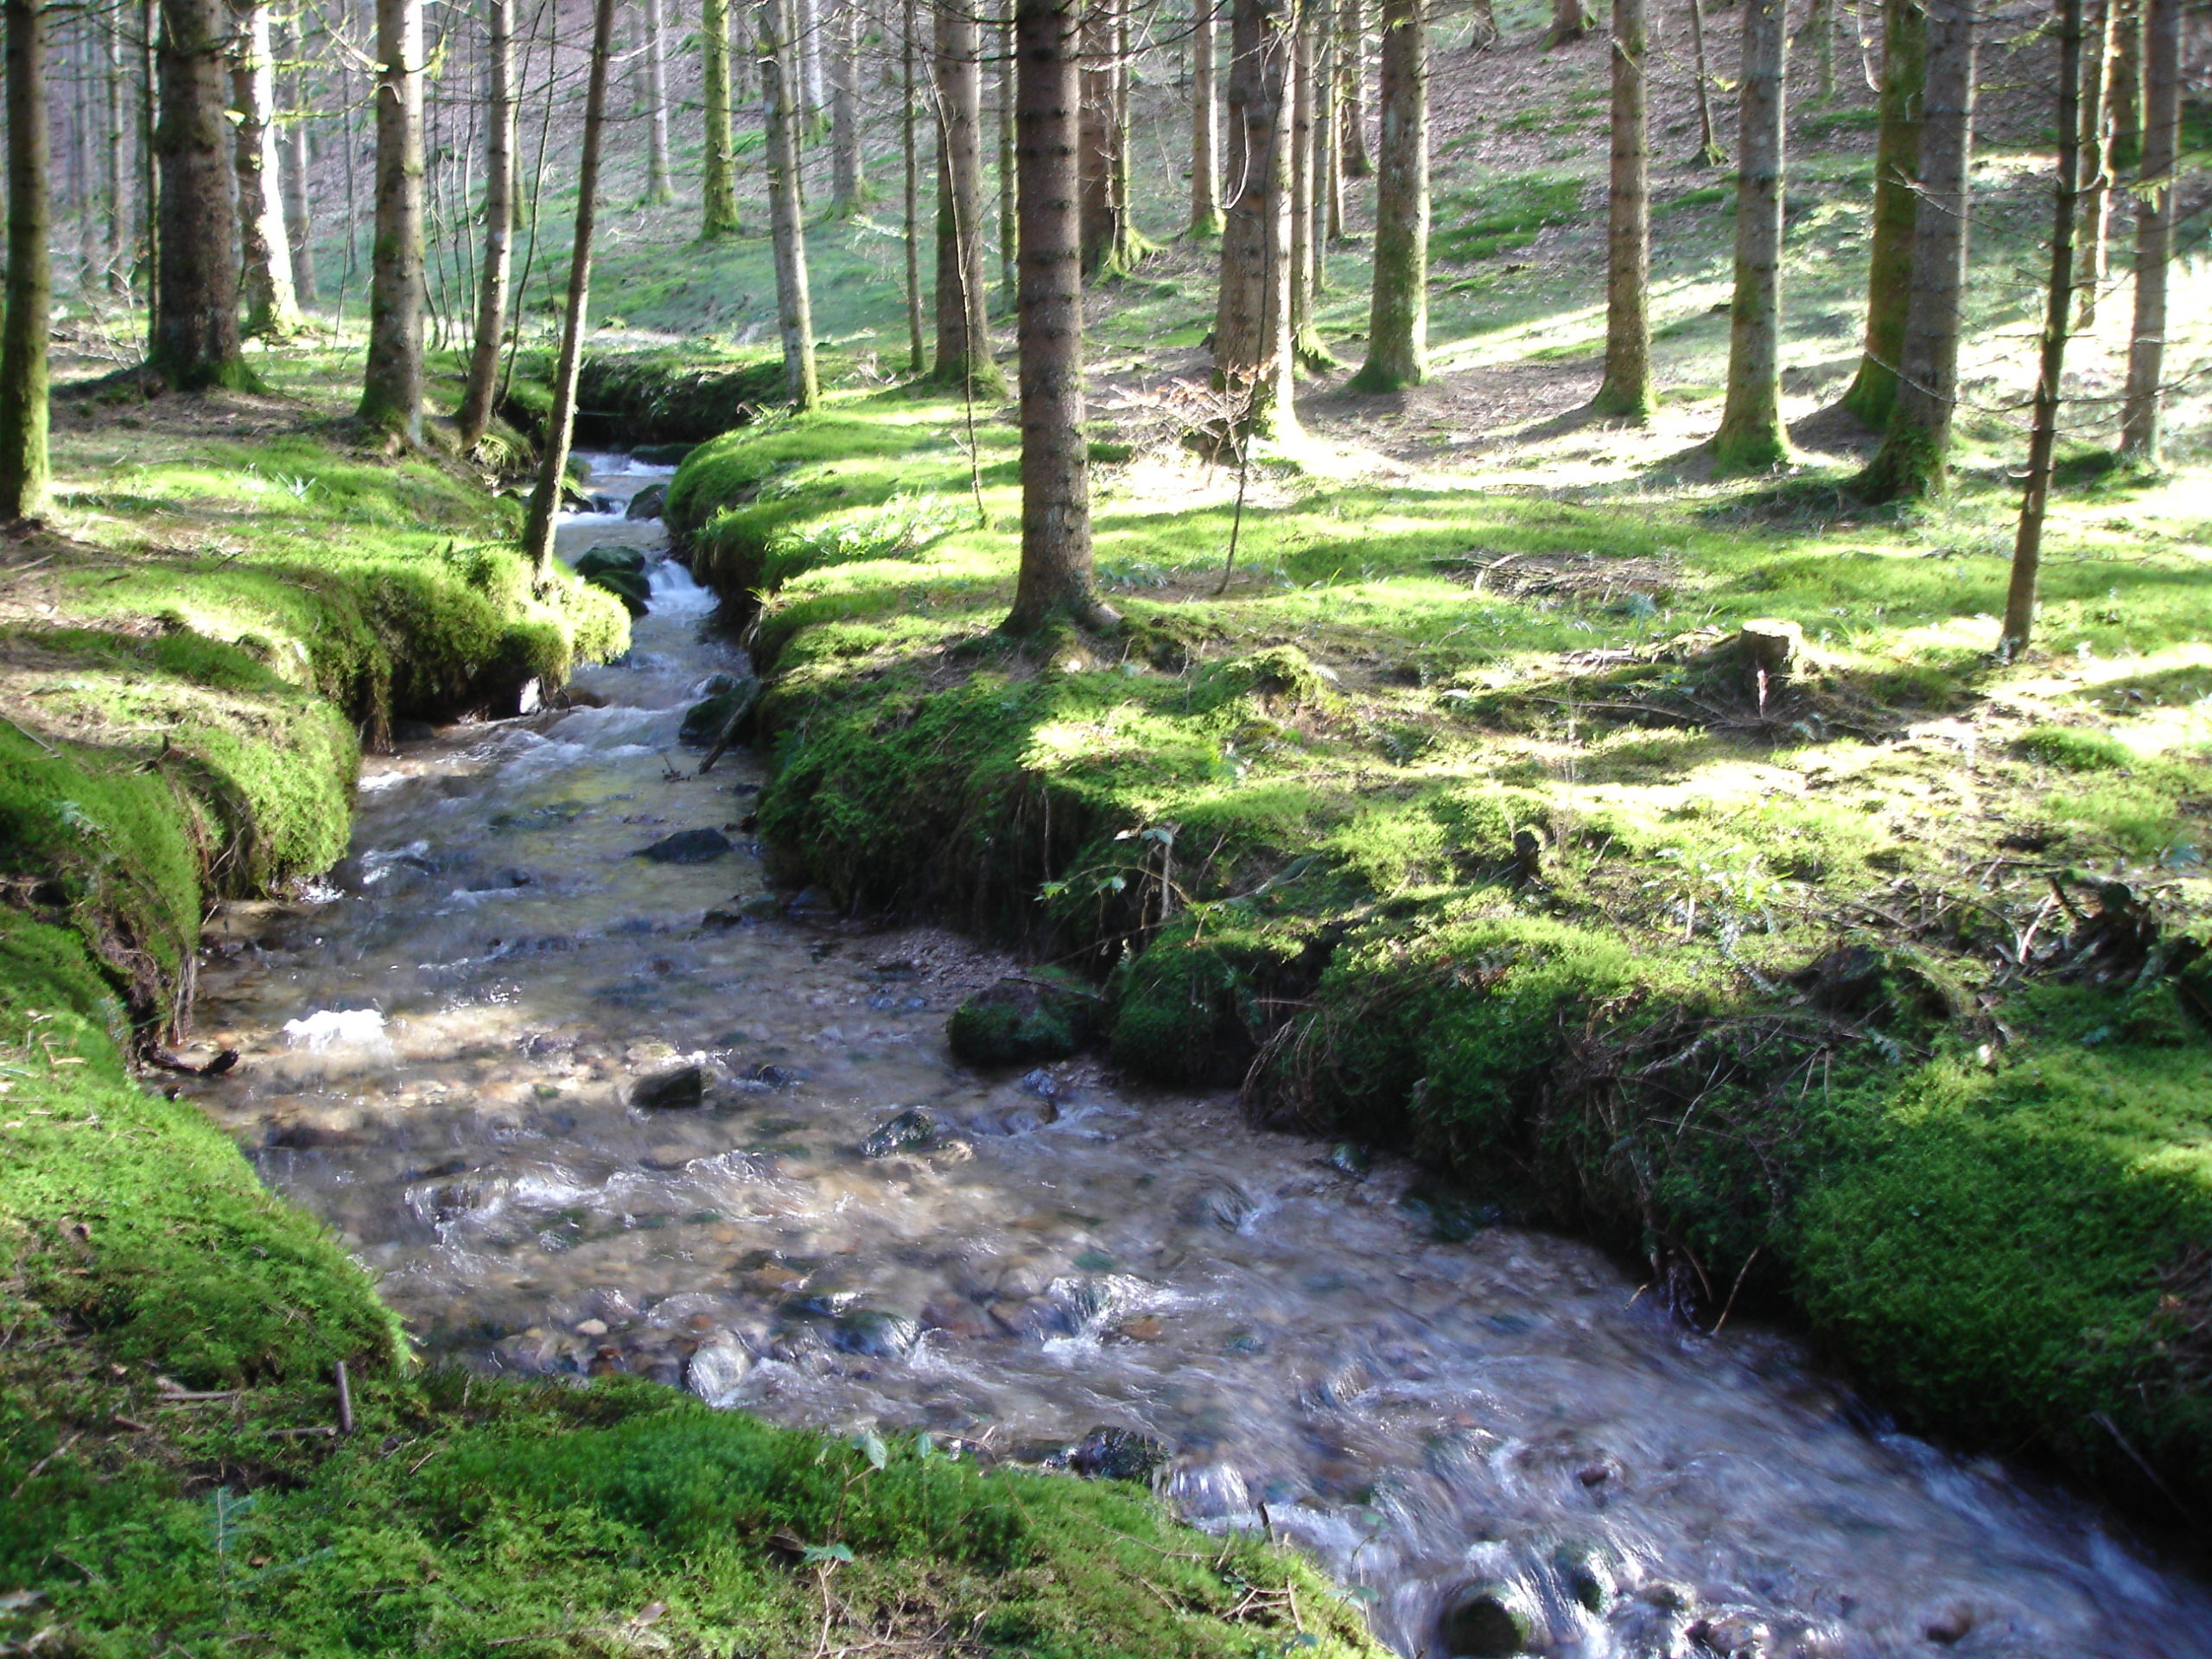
x,y
671,1090
1219,1202
715,1372
1111,1453
689,847
1486,1621
915,1130
648,503
706,721
1022,1020
877,1334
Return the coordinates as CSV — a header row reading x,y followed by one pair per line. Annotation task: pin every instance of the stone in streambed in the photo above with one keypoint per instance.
x,y
915,1130
594,561
648,503
1486,1621
1219,1202
632,588
689,847
1022,1020
706,721
875,1334
671,1091
715,1372
1112,1453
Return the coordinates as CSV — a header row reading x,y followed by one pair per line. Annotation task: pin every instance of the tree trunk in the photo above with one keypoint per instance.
x,y
1205,125
2141,413
272,306
1397,329
1305,340
1351,60
717,172
117,248
1101,230
1820,27
804,21
1009,234
1626,389
848,176
1055,583
194,341
149,163
916,350
560,423
1708,143
1571,21
794,308
499,107
1328,139
392,394
1873,390
660,182
299,208
1128,246
2092,246
24,473
2059,310
964,330
2128,95
1750,439
1252,339
1916,451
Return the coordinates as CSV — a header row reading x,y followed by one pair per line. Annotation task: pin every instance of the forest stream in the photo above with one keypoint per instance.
x,y
443,1047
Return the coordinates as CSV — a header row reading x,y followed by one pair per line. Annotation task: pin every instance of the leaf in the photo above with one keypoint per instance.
x,y
871,1444
924,1447
818,1554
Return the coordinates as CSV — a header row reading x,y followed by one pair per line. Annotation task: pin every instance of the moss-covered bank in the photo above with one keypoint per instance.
x,y
1466,822
185,677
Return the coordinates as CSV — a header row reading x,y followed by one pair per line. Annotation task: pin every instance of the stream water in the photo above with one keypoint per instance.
x,y
441,1046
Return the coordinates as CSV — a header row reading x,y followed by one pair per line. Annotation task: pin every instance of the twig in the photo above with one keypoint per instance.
x,y
345,1399
38,1468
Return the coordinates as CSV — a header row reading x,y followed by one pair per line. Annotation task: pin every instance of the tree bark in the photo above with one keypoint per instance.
x,y
272,306
24,472
118,238
1750,439
803,20
910,52
1820,25
392,396
2142,410
1626,389
194,344
1915,455
499,123
1252,337
1205,123
1873,390
848,174
1101,232
299,207
1328,140
794,307
2058,311
1351,60
1397,329
1571,21
1708,143
964,330
2127,82
1009,233
1305,340
717,172
149,160
660,182
1055,583
2092,245
560,424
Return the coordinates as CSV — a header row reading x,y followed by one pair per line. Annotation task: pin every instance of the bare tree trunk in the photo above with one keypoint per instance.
x,y
1708,143
2142,412
24,471
2128,116
1750,439
194,340
1305,340
1915,455
1352,66
1397,329
1873,390
1328,139
559,422
660,182
794,307
392,394
1055,584
848,176
1101,227
1626,389
1205,123
2059,310
963,329
118,238
717,180
271,305
805,20
150,165
1252,337
1128,246
2093,245
1571,21
299,209
1009,234
1820,25
500,110
916,350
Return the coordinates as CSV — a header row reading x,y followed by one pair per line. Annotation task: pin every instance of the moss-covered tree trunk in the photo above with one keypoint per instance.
x,y
1913,460
561,422
660,180
193,341
787,220
2057,323
964,330
1252,338
1352,65
2142,410
848,171
1056,582
499,107
910,60
24,472
391,392
1397,326
1205,123
299,207
717,168
1626,389
1751,439
1874,389
1708,142
272,306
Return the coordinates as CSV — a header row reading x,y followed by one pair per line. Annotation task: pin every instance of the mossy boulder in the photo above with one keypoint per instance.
x,y
1024,1019
706,721
594,561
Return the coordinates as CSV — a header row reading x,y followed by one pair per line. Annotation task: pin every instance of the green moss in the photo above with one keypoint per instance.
x,y
2073,749
1018,1021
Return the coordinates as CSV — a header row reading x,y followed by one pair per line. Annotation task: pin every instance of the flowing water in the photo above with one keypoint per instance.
x,y
441,1047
